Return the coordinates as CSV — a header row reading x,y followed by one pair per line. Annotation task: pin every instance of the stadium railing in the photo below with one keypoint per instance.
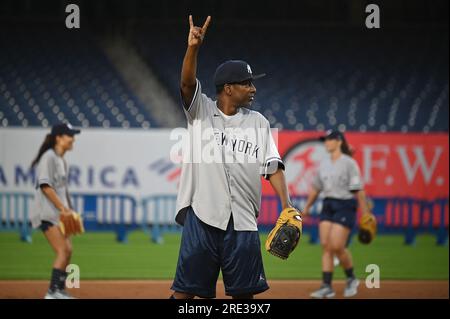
x,y
155,215
101,212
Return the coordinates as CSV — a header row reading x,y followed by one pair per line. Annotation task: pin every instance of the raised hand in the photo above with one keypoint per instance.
x,y
197,34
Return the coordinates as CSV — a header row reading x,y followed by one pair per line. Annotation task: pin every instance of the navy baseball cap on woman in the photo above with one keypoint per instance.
x,y
234,71
64,129
333,135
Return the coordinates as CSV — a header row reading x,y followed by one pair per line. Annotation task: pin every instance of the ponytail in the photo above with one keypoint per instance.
x,y
346,149
49,142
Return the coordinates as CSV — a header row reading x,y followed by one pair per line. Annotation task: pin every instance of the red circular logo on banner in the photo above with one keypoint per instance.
x,y
302,161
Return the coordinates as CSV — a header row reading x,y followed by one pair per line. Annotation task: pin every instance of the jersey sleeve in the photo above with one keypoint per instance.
x,y
272,160
355,180
45,171
198,104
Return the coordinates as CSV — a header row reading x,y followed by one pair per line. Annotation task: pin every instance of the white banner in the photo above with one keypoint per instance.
x,y
115,161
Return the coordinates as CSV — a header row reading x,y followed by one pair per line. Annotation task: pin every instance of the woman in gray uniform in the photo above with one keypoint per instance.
x,y
340,181
52,201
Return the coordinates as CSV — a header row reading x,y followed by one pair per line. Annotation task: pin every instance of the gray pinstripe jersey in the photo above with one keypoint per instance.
x,y
223,164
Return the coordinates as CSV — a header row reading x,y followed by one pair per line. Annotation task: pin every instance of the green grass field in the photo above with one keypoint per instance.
x,y
99,256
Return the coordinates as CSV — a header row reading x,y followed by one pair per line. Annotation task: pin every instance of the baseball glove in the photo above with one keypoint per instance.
x,y
367,228
71,224
286,234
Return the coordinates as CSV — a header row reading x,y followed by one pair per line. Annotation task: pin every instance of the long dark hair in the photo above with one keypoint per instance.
x,y
346,149
49,142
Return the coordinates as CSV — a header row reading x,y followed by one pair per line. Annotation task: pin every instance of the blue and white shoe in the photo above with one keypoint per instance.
x,y
351,289
325,291
58,294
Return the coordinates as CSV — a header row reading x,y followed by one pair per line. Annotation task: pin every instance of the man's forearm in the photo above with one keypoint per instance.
x,y
189,69
189,75
278,182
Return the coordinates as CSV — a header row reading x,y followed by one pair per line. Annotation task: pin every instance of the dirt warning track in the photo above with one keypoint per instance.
x,y
286,289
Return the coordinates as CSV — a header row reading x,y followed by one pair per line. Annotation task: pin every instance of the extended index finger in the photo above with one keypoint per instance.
x,y
206,24
191,23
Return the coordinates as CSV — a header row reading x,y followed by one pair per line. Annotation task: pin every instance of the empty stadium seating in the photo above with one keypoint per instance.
x,y
48,76
318,79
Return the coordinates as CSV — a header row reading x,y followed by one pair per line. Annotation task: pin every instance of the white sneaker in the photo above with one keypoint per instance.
x,y
58,294
325,291
336,261
351,288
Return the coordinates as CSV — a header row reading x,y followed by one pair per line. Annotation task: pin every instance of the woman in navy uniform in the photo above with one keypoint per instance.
x,y
339,180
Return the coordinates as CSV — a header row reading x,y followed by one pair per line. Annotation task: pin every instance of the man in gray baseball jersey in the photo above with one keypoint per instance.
x,y
219,197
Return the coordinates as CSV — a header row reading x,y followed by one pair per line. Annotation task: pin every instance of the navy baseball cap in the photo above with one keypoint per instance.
x,y
234,71
333,135
64,129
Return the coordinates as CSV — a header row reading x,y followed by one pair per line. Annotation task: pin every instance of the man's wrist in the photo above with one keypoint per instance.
x,y
193,48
